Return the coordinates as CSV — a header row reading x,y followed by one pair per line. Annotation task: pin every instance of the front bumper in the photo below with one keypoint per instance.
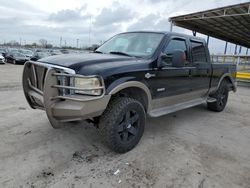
x,y
44,90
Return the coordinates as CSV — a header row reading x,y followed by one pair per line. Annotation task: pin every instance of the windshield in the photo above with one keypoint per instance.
x,y
132,44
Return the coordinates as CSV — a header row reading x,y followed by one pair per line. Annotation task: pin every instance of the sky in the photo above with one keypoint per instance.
x,y
95,21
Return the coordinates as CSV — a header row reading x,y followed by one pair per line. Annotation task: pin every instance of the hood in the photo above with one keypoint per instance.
x,y
75,60
94,63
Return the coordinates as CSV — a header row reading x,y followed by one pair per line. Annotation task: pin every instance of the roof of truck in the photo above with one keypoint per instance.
x,y
168,33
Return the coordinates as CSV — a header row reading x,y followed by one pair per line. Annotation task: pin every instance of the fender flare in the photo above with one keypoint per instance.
x,y
136,84
229,76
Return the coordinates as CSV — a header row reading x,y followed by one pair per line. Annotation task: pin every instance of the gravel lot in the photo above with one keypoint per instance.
x,y
192,148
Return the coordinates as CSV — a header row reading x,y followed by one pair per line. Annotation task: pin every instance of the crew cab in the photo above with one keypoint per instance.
x,y
131,76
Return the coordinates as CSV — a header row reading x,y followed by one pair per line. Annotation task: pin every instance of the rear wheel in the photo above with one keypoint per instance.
x,y
221,97
122,124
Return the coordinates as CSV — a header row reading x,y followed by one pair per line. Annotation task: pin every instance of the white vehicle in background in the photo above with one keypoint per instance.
x,y
2,59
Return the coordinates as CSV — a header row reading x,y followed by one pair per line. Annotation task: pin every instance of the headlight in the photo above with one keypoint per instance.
x,y
89,86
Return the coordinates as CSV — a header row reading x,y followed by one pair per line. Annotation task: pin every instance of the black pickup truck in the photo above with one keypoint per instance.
x,y
132,75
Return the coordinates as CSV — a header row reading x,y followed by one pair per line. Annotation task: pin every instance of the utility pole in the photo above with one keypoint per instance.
x,y
77,41
89,31
60,42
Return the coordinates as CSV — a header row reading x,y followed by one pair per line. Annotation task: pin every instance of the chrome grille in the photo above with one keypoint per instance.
x,y
36,74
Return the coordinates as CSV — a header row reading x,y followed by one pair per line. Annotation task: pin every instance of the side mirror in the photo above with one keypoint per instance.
x,y
179,58
162,60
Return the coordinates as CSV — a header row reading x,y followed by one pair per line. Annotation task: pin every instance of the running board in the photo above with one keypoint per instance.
x,y
211,99
170,109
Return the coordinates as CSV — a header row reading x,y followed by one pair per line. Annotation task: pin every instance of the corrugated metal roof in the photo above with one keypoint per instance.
x,y
231,23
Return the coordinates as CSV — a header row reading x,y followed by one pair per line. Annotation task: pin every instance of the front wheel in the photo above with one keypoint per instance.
x,y
122,124
221,96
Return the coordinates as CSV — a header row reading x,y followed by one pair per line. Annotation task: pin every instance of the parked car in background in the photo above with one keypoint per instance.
x,y
2,59
3,52
39,55
16,58
55,52
65,51
27,53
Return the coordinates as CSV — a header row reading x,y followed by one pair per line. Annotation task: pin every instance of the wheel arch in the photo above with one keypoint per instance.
x,y
134,89
228,77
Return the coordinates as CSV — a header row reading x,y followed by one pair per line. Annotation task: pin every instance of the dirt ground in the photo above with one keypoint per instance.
x,y
193,148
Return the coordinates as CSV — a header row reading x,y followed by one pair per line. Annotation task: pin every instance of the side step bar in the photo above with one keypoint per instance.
x,y
211,99
169,109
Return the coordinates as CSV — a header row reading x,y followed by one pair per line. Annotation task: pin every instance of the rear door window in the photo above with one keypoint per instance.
x,y
198,52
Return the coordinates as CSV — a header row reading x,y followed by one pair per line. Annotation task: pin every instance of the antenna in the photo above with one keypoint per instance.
x,y
89,31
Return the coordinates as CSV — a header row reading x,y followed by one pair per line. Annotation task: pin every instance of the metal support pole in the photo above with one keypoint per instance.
x,y
171,26
225,51
238,59
235,50
208,40
247,55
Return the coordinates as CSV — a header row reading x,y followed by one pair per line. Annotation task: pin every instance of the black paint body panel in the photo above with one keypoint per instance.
x,y
117,69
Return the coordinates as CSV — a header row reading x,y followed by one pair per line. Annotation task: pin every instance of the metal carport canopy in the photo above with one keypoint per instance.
x,y
230,23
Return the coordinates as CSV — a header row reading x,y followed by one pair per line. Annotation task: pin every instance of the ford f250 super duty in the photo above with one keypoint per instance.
x,y
132,75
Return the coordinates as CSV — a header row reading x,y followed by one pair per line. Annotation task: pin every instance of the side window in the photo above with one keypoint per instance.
x,y
198,52
174,44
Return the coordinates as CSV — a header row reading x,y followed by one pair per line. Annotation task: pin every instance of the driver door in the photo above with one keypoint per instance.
x,y
172,85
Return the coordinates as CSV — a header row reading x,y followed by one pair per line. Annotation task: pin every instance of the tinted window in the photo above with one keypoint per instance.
x,y
198,52
175,44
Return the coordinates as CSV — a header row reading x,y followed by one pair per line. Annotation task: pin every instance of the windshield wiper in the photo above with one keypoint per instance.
x,y
120,53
